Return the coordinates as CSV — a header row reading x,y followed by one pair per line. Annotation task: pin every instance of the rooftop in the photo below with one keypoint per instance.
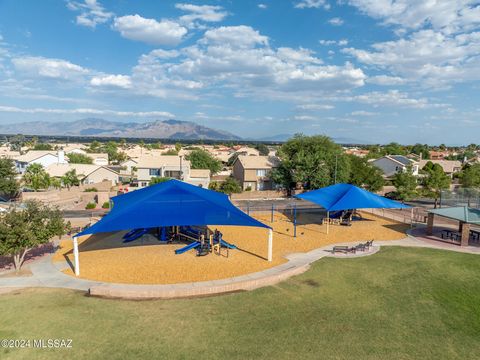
x,y
459,213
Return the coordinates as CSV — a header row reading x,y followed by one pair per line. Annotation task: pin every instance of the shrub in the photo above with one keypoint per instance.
x,y
248,188
91,189
91,205
106,205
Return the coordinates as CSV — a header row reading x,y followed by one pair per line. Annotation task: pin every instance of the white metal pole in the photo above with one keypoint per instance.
x,y
270,244
75,255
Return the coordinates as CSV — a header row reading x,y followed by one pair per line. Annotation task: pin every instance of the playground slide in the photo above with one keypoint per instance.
x,y
227,245
130,233
190,246
136,235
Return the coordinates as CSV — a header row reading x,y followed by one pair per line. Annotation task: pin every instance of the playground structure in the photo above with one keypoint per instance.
x,y
200,238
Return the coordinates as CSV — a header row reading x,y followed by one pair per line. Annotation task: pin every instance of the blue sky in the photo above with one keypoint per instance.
x,y
367,70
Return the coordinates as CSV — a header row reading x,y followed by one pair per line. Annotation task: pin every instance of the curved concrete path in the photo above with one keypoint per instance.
x,y
48,274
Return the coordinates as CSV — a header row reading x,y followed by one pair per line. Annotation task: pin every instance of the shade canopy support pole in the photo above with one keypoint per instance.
x,y
328,220
295,221
270,245
75,255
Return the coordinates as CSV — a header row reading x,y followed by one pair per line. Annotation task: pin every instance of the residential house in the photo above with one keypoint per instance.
x,y
438,155
44,158
357,152
200,177
392,164
253,171
98,159
449,166
171,166
87,173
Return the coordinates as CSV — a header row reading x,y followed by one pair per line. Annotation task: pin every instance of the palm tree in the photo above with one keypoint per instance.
x,y
70,178
36,177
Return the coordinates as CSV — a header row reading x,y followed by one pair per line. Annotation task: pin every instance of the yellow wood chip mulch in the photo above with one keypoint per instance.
x,y
103,257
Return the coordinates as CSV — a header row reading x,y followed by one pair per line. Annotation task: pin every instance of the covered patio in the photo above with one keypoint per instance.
x,y
468,230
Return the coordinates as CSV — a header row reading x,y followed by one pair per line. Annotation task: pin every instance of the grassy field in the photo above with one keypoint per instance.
x,y
401,303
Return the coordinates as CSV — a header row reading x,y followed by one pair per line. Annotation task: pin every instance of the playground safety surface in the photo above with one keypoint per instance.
x,y
103,257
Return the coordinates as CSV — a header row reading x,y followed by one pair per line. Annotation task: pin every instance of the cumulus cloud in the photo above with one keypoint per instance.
x,y
341,42
159,114
363,113
315,107
386,80
431,58
205,13
151,31
38,66
307,4
445,15
262,6
240,59
115,81
91,13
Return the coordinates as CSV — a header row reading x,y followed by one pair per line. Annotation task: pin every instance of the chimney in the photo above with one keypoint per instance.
x,y
61,156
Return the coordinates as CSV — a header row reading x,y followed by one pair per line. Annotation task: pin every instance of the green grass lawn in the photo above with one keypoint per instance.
x,y
401,303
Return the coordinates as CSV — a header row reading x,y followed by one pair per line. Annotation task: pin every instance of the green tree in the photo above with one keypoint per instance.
x,y
56,183
94,146
314,161
230,186
214,185
158,180
9,186
201,159
75,158
435,181
178,147
364,174
232,159
470,176
406,184
262,149
170,152
36,177
70,178
423,150
42,146
394,149
24,229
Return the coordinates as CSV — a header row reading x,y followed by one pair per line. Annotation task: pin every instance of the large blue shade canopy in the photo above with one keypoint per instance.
x,y
346,196
171,203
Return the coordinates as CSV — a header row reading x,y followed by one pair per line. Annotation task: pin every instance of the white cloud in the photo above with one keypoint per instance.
x,y
119,81
205,13
262,6
445,15
151,31
386,80
240,60
13,109
336,21
235,36
304,117
37,66
316,4
363,113
315,107
395,98
430,58
341,42
91,13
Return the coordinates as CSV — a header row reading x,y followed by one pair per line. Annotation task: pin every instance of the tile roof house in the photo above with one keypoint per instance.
x,y
449,166
87,173
392,164
253,171
44,158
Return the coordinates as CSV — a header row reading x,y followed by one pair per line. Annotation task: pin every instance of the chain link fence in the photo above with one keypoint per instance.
x,y
460,197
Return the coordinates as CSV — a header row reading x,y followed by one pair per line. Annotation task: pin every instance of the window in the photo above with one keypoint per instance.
x,y
173,174
261,172
154,172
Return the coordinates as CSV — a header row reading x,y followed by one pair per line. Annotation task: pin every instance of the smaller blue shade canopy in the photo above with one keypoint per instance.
x,y
345,196
171,203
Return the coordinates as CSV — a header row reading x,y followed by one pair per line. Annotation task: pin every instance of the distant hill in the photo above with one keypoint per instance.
x,y
167,129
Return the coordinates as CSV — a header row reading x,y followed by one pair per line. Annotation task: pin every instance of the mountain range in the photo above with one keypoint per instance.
x,y
166,129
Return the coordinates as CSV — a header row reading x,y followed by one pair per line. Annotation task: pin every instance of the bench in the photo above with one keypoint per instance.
x,y
343,248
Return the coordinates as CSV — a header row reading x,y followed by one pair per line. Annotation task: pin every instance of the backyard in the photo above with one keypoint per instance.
x,y
401,303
